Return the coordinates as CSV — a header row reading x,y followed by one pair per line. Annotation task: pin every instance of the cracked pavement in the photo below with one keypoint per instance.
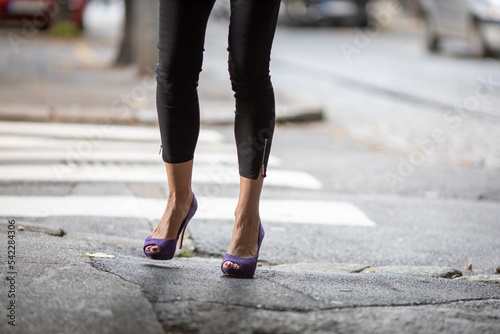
x,y
63,291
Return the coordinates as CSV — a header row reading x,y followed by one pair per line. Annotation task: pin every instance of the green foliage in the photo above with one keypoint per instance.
x,y
186,253
65,29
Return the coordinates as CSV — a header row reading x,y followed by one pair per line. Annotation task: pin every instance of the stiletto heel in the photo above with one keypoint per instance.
x,y
247,265
181,237
167,246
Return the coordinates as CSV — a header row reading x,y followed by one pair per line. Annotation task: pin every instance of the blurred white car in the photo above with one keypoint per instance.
x,y
476,21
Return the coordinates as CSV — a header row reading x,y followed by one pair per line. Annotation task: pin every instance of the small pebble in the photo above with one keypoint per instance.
x,y
497,270
469,266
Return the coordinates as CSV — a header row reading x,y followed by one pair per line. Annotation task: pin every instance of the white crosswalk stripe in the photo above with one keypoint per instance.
x,y
216,174
93,132
275,210
45,152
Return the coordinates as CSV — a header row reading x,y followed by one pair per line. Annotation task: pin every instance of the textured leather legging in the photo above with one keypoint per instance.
x,y
181,45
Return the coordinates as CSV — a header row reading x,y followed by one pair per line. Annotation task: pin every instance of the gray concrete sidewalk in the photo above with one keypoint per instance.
x,y
211,114
73,80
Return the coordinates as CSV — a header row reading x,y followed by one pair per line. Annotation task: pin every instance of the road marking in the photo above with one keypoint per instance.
x,y
26,143
211,208
74,149
59,156
94,132
211,174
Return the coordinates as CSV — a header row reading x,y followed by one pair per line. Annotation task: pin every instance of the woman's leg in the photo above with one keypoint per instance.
x,y
246,227
181,39
251,34
179,201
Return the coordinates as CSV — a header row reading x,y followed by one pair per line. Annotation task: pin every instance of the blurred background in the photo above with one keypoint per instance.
x,y
399,46
392,105
384,44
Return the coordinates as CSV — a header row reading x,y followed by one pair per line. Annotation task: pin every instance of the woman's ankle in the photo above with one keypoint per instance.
x,y
180,197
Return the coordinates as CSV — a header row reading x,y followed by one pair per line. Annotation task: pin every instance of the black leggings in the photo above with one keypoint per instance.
x,y
181,45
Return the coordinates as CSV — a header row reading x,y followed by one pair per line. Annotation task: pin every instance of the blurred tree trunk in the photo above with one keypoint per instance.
x,y
126,55
147,36
140,36
412,7
62,11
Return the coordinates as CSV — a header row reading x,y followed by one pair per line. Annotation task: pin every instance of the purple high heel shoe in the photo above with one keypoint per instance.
x,y
247,265
167,246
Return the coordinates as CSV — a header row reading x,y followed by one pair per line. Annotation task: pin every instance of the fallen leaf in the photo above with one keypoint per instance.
x,y
371,271
100,255
20,228
469,266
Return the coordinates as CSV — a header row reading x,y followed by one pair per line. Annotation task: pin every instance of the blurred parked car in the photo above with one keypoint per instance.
x,y
312,12
344,12
41,13
476,21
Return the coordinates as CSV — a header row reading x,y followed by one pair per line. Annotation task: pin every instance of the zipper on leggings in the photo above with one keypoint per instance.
x,y
263,169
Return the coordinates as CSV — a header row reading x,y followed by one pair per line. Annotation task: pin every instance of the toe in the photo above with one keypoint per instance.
x,y
228,264
152,248
236,266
